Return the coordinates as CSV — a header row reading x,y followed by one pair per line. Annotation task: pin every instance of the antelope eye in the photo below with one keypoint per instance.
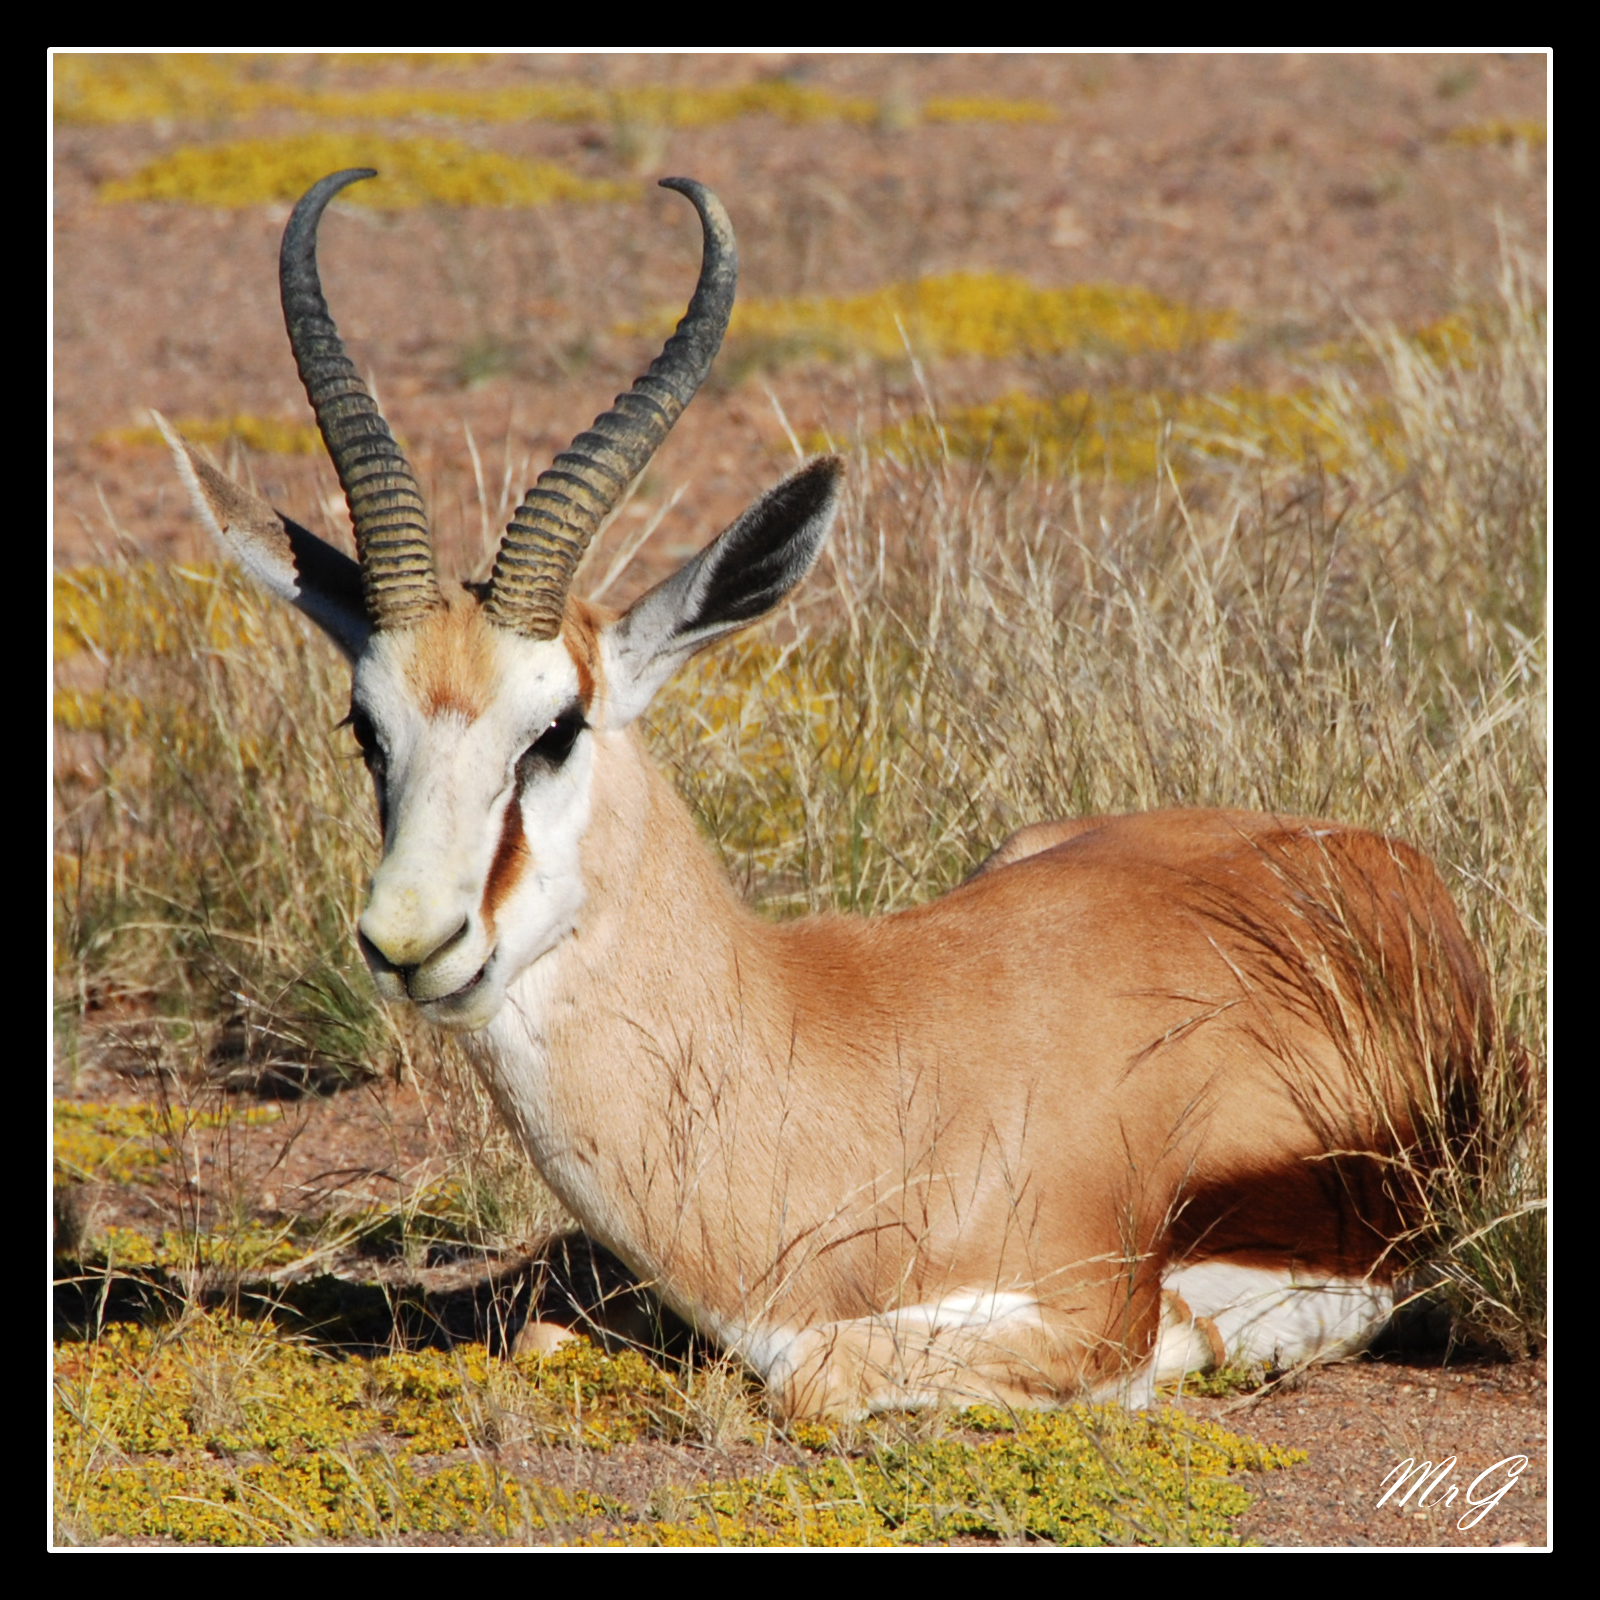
x,y
550,750
367,738
372,754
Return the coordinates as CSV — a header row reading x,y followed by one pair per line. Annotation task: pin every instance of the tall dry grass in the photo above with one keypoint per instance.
x,y
211,828
977,651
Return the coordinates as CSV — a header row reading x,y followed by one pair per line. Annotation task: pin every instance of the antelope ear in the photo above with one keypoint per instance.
x,y
740,576
279,554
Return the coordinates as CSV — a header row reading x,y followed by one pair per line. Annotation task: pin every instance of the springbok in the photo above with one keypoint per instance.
x,y
1144,1090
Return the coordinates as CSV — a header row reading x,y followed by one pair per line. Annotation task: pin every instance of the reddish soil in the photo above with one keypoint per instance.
x,y
1300,191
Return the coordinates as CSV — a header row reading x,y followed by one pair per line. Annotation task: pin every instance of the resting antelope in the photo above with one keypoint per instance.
x,y
1112,1106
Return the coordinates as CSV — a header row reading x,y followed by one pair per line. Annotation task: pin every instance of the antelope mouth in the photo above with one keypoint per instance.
x,y
470,1007
457,995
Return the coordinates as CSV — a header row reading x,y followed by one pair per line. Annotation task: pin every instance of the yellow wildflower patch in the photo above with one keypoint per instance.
x,y
145,610
270,435
177,729
414,172
982,314
1126,434
1084,1476
368,61
95,711
985,108
144,88
117,1248
651,103
109,89
1452,339
130,1143
253,1247
762,716
1456,339
1501,131
573,102
224,1432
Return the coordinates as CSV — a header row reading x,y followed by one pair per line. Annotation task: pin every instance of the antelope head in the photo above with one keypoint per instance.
x,y
479,711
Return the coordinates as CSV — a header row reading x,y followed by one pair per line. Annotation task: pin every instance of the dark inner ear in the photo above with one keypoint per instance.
x,y
324,571
763,555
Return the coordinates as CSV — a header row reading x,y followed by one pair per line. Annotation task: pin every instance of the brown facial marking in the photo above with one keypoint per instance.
x,y
580,632
453,665
510,857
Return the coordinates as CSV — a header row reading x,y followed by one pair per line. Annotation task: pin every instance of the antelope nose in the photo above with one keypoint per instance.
x,y
377,956
404,930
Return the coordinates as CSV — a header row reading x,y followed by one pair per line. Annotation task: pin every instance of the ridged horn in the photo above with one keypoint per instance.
x,y
561,512
386,509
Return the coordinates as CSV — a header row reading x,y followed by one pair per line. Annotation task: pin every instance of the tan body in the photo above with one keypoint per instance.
x,y
1146,1091
1050,1084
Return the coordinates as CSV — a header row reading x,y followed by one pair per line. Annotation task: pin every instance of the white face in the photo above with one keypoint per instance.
x,y
483,762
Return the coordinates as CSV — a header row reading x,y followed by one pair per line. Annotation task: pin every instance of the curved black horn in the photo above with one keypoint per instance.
x,y
386,509
560,513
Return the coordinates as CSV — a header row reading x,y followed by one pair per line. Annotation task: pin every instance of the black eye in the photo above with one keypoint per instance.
x,y
367,738
550,750
372,754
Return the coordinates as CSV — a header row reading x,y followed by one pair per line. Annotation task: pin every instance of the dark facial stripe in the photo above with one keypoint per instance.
x,y
511,856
